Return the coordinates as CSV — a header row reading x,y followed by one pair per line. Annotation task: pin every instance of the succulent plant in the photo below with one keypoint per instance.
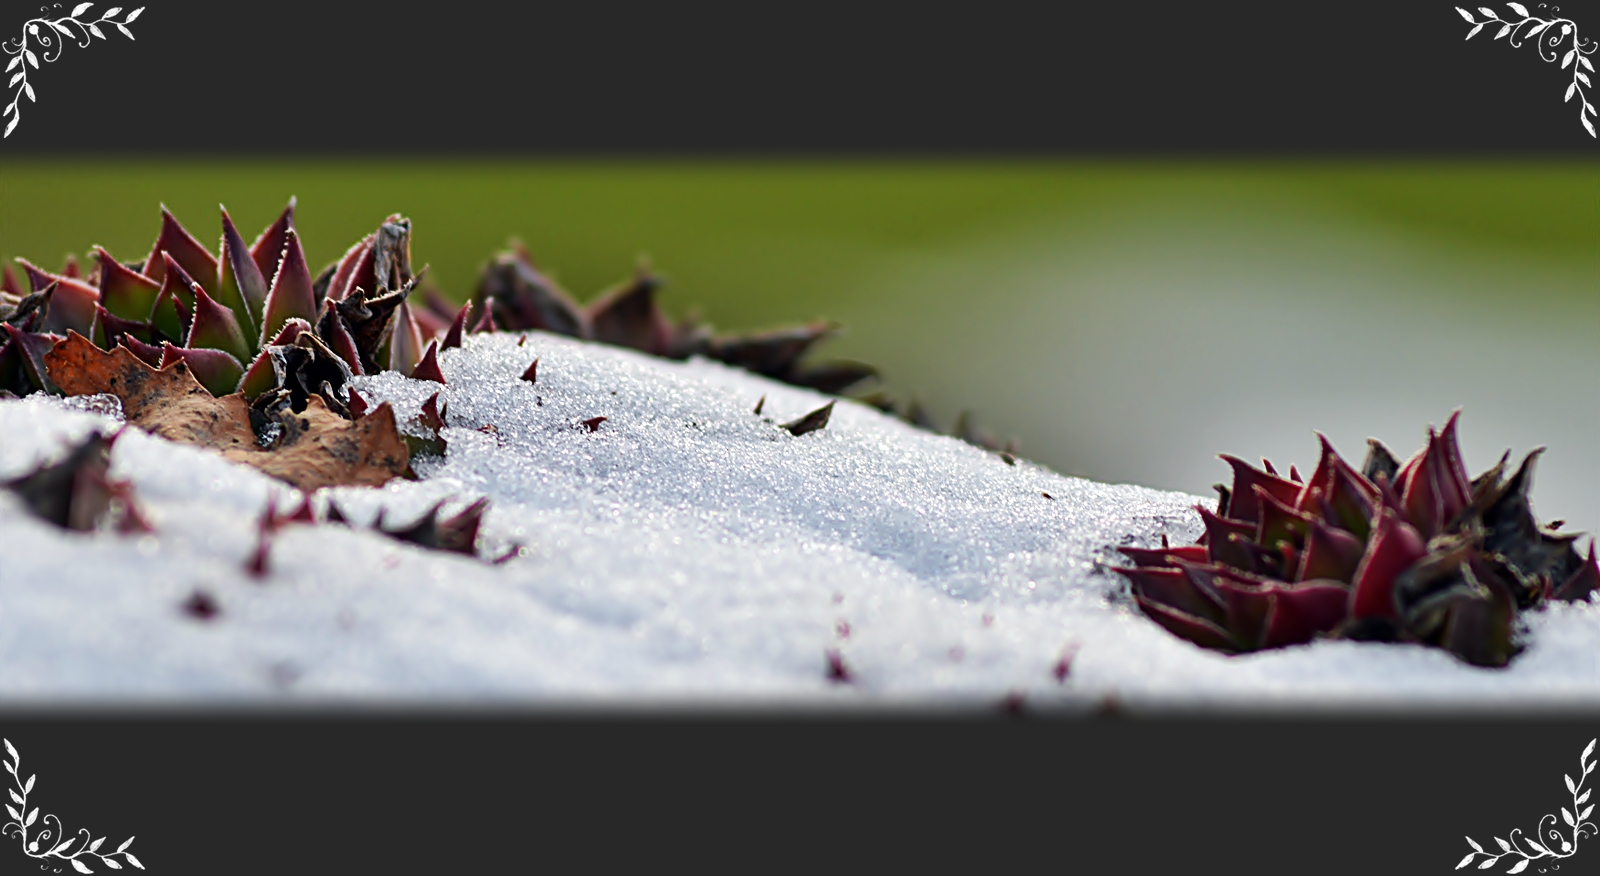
x,y
514,295
249,319
1396,553
252,320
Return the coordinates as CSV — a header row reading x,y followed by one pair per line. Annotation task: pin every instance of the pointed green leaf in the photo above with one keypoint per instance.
x,y
123,291
241,287
217,371
176,241
267,250
215,327
291,295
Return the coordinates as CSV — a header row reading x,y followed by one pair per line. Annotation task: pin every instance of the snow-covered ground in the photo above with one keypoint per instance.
x,y
686,552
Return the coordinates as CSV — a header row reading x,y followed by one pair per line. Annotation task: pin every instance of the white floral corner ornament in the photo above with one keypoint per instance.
x,y
51,844
1556,846
51,36
1552,33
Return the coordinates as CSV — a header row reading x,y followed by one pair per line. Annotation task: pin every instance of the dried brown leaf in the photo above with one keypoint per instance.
x,y
316,448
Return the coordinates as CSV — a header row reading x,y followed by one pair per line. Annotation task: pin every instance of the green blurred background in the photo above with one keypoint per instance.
x,y
1126,320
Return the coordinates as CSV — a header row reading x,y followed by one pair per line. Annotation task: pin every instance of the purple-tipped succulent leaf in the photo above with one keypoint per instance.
x,y
1350,499
1394,546
515,296
291,295
260,376
1173,588
169,314
1392,552
431,415
215,327
176,279
428,367
243,287
1243,506
1298,614
452,337
116,328
217,371
149,354
355,263
1330,554
123,291
267,250
1163,557
628,316
28,350
72,304
177,242
1197,630
333,331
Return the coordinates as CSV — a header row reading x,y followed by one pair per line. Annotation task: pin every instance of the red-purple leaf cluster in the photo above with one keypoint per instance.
x,y
1401,553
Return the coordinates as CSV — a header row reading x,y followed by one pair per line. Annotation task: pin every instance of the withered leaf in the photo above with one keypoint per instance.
x,y
811,422
316,448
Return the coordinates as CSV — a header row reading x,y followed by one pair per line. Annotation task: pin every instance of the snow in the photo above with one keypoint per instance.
x,y
687,552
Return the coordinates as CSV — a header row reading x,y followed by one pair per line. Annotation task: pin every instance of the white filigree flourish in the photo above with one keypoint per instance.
x,y
1552,33
1556,845
51,36
52,843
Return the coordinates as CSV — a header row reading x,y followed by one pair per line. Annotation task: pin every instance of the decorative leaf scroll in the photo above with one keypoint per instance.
x,y
1556,845
1550,39
51,39
51,842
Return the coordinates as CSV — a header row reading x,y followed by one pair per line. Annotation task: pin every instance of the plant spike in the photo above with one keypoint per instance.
x,y
333,331
215,326
176,241
452,337
244,288
356,262
267,250
170,315
217,371
149,354
513,294
124,291
22,368
72,307
428,367
627,316
260,377
291,294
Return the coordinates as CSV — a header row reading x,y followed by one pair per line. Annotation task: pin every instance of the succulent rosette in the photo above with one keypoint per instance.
x,y
248,319
1414,552
513,294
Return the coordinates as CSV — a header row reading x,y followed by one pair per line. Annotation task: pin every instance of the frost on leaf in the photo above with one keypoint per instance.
x,y
307,449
